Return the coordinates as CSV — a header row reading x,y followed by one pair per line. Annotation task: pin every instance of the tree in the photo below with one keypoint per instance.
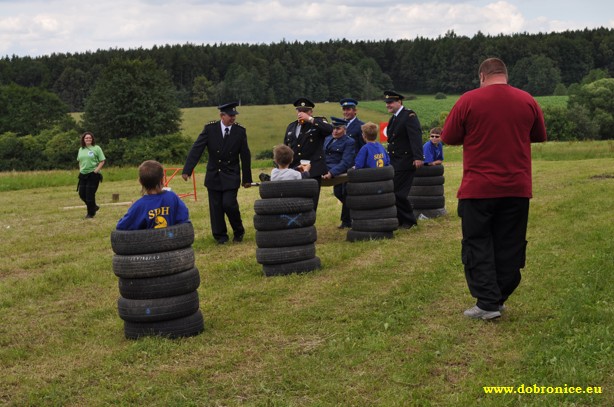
x,y
202,91
29,110
537,75
132,99
598,99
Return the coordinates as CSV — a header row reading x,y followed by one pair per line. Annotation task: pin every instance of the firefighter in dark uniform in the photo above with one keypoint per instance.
x,y
406,154
226,142
305,136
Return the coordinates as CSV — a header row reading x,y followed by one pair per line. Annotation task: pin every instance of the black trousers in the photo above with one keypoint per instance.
x,y
88,185
402,186
494,247
224,203
316,197
340,192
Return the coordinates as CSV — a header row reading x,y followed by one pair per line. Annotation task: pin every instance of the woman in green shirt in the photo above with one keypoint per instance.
x,y
91,160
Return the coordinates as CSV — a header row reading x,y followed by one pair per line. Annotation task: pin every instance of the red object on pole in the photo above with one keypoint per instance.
x,y
168,179
383,135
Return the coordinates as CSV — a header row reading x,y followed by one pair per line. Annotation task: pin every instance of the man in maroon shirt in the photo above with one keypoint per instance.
x,y
496,125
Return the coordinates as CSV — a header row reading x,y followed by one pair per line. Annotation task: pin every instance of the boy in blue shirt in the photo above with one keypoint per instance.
x,y
157,208
372,154
433,149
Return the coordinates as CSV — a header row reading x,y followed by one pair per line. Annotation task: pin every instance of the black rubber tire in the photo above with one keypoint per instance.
x,y
175,328
286,237
426,181
284,269
303,188
356,235
429,171
375,225
430,213
429,190
159,287
370,188
153,264
282,206
380,213
278,255
371,174
427,202
152,240
158,309
284,221
370,201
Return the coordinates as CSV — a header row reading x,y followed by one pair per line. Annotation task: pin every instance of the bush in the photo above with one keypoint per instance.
x,y
265,155
440,95
167,149
560,90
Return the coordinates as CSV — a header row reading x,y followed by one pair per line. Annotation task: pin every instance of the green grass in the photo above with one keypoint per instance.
x,y
380,324
266,124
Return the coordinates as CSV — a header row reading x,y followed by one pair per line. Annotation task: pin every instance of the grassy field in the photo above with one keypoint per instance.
x,y
266,124
380,324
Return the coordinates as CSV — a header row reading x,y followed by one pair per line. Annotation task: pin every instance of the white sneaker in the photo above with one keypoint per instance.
x,y
478,313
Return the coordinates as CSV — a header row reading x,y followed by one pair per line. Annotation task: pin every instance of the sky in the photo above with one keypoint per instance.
x,y
42,27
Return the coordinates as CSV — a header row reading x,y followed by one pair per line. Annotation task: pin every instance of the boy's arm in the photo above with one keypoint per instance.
x,y
360,158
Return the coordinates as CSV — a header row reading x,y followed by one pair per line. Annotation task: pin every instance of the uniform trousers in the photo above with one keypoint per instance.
x,y
340,192
402,185
88,185
316,197
493,247
224,203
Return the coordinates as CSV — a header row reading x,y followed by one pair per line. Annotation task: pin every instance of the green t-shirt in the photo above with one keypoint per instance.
x,y
88,158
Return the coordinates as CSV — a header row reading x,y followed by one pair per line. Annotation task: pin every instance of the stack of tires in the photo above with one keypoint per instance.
x,y
372,204
285,227
426,194
157,281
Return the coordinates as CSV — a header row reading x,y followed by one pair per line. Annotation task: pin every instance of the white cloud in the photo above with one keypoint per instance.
x,y
34,27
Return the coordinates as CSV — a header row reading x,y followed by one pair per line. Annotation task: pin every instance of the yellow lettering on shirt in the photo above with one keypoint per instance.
x,y
165,210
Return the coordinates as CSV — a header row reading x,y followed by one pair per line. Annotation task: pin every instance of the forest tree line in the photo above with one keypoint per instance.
x,y
206,75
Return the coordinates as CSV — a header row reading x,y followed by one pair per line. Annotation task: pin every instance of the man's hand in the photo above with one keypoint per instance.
x,y
304,117
247,184
185,177
328,175
418,163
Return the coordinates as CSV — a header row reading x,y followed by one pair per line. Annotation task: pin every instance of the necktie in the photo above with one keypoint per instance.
x,y
226,132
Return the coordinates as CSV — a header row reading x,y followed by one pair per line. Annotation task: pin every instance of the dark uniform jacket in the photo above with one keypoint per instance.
x,y
310,144
354,131
340,154
223,171
404,140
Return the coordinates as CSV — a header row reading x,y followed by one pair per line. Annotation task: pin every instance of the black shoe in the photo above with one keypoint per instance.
x,y
88,216
344,226
407,225
222,241
96,208
237,238
264,177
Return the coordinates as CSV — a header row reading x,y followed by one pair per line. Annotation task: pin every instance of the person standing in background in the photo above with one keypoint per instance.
x,y
226,142
496,125
305,136
91,160
405,151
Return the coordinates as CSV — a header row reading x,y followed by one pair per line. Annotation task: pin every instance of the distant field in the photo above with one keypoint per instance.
x,y
266,124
